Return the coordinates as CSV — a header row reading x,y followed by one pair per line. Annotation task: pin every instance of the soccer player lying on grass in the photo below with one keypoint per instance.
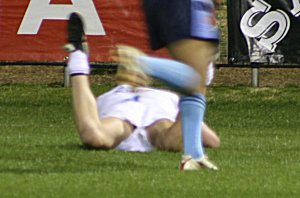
x,y
130,117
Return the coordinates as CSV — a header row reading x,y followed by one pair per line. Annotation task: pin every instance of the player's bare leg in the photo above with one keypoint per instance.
x,y
167,135
209,137
196,53
108,132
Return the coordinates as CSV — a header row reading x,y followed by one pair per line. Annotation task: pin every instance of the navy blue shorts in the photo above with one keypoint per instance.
x,y
172,20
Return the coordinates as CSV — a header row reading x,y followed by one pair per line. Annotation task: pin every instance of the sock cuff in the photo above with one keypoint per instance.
x,y
195,98
78,63
176,74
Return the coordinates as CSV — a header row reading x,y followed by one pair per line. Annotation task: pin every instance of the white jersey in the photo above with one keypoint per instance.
x,y
141,107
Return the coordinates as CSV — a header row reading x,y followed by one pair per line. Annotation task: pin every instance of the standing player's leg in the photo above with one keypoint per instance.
x,y
194,23
108,132
197,54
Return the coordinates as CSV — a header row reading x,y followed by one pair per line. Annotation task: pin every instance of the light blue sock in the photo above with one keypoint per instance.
x,y
192,110
174,73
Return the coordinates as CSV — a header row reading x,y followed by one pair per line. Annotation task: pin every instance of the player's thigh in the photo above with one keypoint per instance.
x,y
197,53
165,135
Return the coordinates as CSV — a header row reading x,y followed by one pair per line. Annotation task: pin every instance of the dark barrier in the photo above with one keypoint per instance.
x,y
264,32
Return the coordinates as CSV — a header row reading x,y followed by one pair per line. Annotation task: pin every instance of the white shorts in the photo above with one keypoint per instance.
x,y
141,107
210,74
136,142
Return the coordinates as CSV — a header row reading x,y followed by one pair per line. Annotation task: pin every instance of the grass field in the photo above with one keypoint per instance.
x,y
41,155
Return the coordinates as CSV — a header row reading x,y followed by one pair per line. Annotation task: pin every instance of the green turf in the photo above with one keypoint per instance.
x,y
41,155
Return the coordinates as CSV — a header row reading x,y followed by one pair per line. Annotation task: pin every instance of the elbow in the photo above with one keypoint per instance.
x,y
93,138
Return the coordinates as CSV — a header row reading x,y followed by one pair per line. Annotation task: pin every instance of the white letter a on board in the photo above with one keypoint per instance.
x,y
39,10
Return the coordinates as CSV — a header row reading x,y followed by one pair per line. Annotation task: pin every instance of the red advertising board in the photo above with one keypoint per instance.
x,y
35,30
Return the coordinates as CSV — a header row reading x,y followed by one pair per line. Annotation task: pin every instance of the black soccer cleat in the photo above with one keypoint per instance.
x,y
76,36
